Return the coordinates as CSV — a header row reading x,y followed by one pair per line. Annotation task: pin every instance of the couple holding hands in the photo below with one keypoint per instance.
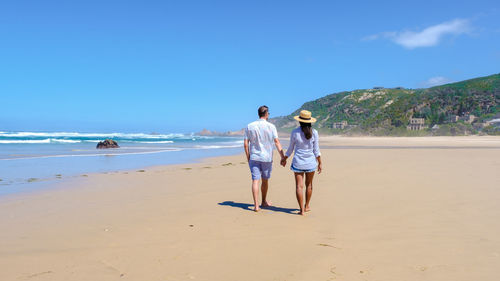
x,y
261,136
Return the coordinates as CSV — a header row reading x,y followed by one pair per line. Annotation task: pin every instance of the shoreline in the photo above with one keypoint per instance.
x,y
326,142
33,181
73,182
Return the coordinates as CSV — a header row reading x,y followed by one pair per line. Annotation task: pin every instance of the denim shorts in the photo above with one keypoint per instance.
x,y
301,170
260,169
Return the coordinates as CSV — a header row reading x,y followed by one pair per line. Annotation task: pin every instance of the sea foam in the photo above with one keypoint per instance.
x,y
93,135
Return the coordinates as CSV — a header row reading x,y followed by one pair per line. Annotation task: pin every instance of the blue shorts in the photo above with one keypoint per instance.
x,y
260,169
301,170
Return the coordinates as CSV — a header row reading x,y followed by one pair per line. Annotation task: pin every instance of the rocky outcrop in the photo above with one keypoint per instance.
x,y
108,143
206,132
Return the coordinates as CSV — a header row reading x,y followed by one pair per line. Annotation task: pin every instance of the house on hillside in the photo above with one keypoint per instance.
x,y
340,125
454,118
468,118
378,88
416,124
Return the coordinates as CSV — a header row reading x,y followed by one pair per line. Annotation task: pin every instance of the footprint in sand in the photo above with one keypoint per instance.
x,y
327,245
112,268
38,274
333,270
421,268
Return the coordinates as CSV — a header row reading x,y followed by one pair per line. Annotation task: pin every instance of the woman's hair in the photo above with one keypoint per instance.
x,y
307,129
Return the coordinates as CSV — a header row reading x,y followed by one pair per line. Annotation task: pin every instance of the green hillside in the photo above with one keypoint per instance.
x,y
388,111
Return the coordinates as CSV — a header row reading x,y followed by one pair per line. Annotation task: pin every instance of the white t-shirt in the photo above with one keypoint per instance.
x,y
261,135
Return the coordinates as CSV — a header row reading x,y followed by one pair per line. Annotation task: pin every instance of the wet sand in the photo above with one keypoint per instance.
x,y
383,209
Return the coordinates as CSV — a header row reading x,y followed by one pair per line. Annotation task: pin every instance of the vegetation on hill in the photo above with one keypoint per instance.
x,y
388,111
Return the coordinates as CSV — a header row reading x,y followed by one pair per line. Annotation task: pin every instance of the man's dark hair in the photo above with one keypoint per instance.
x,y
262,111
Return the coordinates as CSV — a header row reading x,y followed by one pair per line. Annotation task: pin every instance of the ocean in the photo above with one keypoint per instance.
x,y
30,160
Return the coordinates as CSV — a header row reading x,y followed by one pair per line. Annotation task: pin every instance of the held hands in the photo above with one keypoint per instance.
x,y
283,161
283,158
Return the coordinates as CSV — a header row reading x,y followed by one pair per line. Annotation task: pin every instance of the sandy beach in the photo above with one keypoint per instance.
x,y
383,209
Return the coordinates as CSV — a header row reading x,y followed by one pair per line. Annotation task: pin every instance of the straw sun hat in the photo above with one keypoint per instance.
x,y
305,117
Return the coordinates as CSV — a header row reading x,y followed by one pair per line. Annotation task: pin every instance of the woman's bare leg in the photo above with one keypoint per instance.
x,y
299,191
309,189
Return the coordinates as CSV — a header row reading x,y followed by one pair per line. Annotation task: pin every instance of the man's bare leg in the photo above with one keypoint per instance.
x,y
255,193
309,189
264,187
299,191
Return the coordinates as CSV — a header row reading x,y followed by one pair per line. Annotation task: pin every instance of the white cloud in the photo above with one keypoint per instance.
x,y
435,81
430,36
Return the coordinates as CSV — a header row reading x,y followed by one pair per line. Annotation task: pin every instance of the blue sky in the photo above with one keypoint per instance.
x,y
165,66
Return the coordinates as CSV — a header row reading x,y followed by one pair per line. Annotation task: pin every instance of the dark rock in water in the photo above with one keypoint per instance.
x,y
107,144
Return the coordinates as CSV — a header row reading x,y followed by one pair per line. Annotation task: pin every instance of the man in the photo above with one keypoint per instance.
x,y
260,137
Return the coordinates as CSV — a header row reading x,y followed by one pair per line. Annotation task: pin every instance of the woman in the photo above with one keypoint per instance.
x,y
304,140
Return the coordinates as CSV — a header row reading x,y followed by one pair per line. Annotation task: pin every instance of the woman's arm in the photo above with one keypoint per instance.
x,y
289,151
316,151
319,164
316,144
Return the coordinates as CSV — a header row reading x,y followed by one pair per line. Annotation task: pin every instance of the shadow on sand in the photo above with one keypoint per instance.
x,y
249,207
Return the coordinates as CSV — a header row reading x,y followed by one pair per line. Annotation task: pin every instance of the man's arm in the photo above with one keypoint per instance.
x,y
247,150
279,148
277,142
